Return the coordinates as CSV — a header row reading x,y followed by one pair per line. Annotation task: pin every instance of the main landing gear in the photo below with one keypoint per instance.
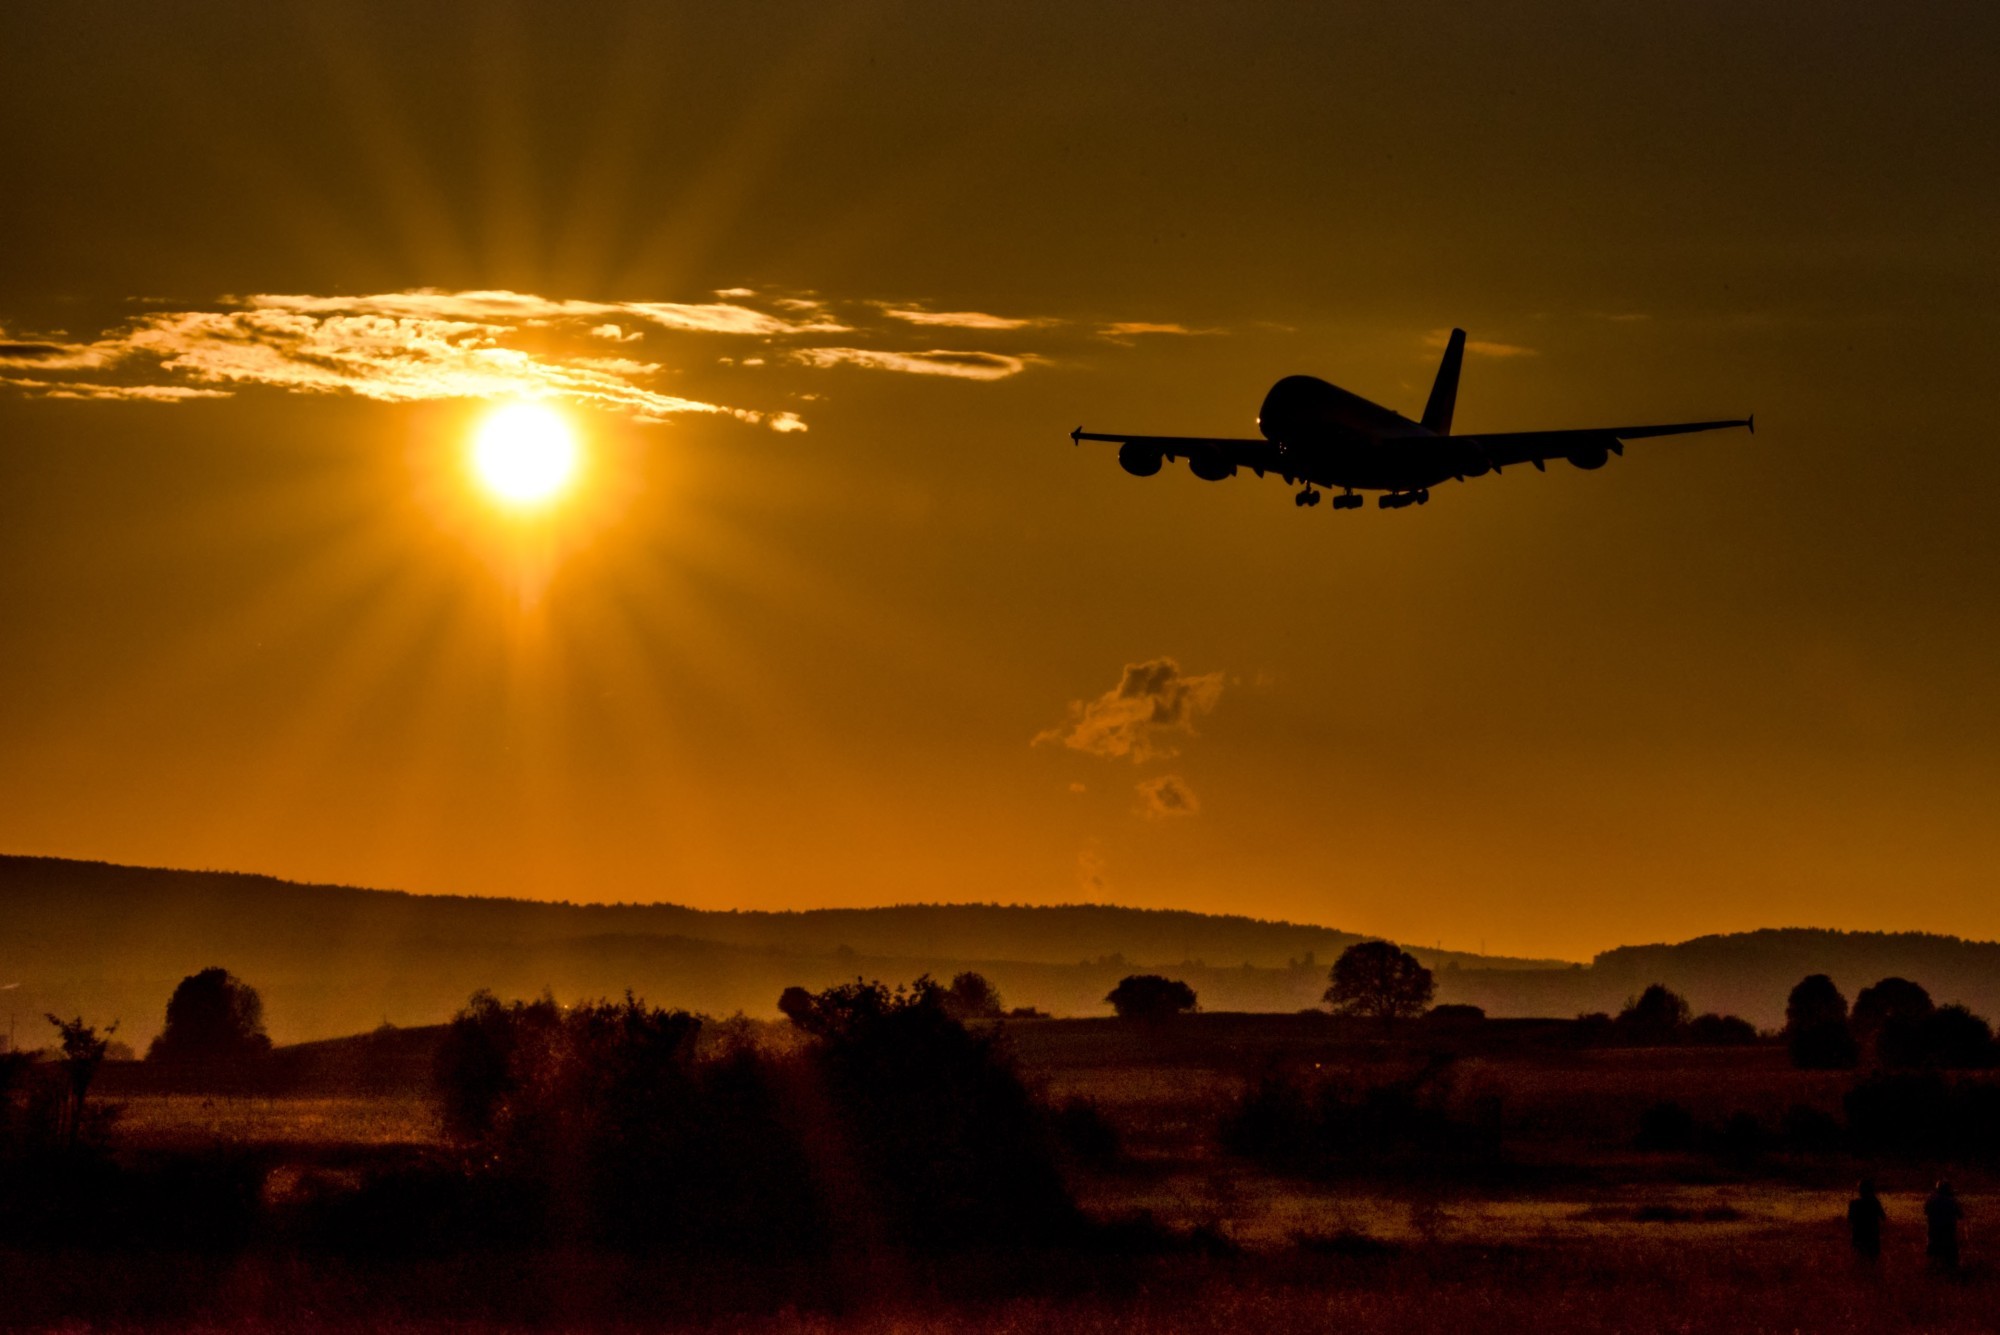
x,y
1345,501
1396,500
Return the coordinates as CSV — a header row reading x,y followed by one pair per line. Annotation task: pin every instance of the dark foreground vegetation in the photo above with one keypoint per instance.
x,y
902,1156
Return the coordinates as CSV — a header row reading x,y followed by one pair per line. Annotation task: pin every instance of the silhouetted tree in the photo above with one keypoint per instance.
x,y
796,1005
1958,1038
1378,980
1816,1028
1891,1022
971,997
1455,1013
1148,996
1658,1016
1713,1030
82,1049
213,1018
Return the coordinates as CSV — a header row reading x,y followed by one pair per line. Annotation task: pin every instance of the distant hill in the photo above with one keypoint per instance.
x,y
111,942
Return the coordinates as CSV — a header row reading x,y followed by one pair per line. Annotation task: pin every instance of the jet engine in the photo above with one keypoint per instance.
x,y
1210,466
1138,460
1592,458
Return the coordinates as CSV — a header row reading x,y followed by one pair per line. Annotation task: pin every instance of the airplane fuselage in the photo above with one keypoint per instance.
x,y
1323,434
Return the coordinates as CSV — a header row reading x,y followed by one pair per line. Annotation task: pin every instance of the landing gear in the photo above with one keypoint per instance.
x,y
1347,502
1396,500
1309,497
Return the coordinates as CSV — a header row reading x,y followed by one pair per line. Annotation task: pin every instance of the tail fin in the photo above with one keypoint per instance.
x,y
1444,394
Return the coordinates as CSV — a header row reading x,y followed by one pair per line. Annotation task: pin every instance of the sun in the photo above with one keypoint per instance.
x,y
524,454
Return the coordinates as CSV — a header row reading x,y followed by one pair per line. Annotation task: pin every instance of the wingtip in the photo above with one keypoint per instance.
x,y
1076,436
1751,422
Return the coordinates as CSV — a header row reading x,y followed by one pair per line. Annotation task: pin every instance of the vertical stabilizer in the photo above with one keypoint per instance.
x,y
1444,394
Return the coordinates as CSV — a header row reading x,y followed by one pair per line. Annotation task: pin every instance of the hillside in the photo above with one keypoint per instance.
x,y
111,942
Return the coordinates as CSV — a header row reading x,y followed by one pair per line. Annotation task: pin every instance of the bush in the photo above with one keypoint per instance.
x,y
1320,1123
1656,1017
611,1123
1712,1030
1148,996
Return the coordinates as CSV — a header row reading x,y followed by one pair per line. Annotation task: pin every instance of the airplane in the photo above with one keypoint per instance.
x,y
1319,435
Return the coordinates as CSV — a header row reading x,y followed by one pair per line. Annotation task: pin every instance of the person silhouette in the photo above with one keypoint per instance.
x,y
1941,1215
1864,1221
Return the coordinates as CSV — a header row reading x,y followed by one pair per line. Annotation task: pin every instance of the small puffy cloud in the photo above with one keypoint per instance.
x,y
1438,338
615,333
1090,869
956,319
1137,718
937,361
1166,797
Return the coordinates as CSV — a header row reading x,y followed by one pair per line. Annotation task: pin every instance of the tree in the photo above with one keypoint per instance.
x,y
1656,1017
1816,1029
1958,1038
1148,996
213,1017
1891,1021
971,997
82,1053
1378,980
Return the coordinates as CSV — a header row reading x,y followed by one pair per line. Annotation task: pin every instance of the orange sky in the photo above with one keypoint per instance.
x,y
826,286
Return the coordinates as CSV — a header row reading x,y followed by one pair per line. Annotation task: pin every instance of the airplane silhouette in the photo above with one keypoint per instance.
x,y
1322,436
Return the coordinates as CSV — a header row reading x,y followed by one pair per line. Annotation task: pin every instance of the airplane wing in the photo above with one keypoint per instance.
x,y
1534,447
1257,455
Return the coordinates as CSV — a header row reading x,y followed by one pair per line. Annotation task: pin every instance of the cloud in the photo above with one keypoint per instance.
x,y
1128,328
128,393
403,347
1090,869
937,361
1437,338
1166,797
956,319
1151,702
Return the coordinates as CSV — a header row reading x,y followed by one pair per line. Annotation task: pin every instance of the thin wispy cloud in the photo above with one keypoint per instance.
x,y
1438,338
1139,718
428,344
936,361
1131,328
918,315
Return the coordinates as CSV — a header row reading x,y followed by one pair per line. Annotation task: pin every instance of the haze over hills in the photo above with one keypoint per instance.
x,y
111,942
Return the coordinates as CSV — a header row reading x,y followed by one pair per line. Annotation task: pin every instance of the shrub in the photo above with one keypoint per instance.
x,y
1712,1030
1149,996
1656,1017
